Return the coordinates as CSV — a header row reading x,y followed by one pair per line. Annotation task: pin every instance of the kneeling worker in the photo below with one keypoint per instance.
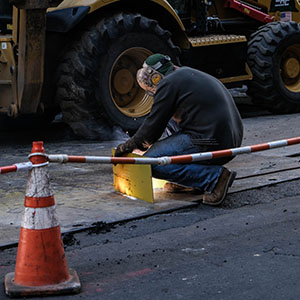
x,y
207,119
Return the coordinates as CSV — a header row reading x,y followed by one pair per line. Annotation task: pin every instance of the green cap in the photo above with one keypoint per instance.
x,y
161,63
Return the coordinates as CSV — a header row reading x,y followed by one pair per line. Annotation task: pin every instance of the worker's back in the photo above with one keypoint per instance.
x,y
204,107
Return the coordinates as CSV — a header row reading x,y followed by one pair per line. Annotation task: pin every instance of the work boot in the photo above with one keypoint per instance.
x,y
217,196
171,187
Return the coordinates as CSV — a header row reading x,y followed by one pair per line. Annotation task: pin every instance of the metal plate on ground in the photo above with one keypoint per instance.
x,y
133,180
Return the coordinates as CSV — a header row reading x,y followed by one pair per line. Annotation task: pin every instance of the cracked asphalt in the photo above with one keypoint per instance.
x,y
248,249
250,252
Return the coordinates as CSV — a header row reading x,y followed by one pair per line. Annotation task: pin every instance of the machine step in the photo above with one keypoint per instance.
x,y
216,39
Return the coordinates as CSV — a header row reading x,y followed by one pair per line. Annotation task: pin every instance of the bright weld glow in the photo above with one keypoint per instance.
x,y
130,197
121,184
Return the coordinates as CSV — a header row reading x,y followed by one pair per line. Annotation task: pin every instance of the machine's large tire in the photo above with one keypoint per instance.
x,y
274,59
97,86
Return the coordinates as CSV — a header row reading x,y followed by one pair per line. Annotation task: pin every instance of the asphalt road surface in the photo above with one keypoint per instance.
x,y
246,249
251,252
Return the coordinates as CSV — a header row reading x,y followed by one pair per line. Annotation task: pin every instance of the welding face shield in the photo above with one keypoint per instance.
x,y
148,79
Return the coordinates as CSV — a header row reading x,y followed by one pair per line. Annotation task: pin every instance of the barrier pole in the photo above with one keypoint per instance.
x,y
64,158
16,168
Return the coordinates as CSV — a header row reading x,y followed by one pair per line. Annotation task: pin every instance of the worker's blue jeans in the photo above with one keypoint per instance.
x,y
200,175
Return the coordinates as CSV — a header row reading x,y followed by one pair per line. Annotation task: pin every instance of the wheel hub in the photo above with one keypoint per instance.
x,y
123,81
291,67
128,97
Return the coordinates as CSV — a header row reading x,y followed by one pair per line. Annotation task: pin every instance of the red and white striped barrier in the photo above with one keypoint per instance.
x,y
64,158
16,167
24,166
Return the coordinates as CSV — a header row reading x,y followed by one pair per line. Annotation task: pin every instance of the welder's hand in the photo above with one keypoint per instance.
x,y
126,147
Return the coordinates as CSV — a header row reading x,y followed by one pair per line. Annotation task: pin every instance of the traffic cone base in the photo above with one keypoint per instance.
x,y
41,257
71,286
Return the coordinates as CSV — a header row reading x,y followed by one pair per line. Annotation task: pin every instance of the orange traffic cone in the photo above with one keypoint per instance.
x,y
41,267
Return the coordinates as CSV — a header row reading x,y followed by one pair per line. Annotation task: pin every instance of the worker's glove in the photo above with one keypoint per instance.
x,y
126,147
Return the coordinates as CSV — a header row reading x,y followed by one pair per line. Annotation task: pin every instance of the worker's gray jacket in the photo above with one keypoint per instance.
x,y
204,107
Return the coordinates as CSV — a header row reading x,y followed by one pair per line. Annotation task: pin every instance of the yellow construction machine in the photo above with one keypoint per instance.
x,y
80,57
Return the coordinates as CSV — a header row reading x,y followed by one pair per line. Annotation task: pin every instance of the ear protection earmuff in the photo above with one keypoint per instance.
x,y
149,75
156,78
